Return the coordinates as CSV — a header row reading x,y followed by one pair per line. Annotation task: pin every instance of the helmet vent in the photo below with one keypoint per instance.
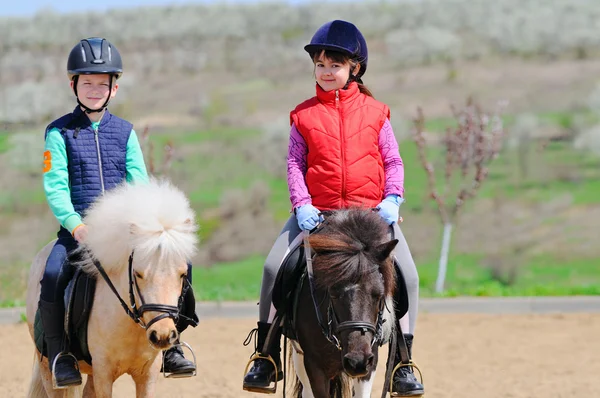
x,y
83,57
96,47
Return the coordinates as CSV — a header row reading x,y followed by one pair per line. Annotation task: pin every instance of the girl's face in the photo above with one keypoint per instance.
x,y
94,90
332,74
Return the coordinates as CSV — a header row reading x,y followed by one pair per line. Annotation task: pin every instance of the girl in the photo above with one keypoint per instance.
x,y
342,152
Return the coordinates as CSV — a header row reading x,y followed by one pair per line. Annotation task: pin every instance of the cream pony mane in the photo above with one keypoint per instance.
x,y
153,219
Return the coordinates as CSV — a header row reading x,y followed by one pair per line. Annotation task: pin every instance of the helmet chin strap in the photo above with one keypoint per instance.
x,y
89,110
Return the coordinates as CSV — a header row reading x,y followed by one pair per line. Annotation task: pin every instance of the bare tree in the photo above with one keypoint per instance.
x,y
148,147
470,147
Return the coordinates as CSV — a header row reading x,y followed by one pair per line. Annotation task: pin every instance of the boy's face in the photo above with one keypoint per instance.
x,y
94,90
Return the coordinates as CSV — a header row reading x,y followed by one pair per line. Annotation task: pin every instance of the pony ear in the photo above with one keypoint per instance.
x,y
383,251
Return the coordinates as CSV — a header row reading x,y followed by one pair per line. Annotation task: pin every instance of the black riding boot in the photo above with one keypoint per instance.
x,y
405,384
175,363
66,372
262,373
173,360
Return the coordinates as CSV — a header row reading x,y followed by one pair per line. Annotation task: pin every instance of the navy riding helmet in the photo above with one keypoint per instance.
x,y
343,37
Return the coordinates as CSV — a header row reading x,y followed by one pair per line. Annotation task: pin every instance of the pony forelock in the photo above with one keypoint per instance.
x,y
154,220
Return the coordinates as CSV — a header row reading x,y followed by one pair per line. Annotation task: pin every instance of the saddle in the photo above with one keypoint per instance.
x,y
288,284
79,299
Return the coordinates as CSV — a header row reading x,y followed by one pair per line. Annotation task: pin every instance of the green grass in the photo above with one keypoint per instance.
x,y
3,142
556,171
218,173
229,281
562,119
194,137
11,303
13,282
467,276
14,202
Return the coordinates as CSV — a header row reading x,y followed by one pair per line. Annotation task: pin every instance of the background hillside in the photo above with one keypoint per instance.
x,y
214,85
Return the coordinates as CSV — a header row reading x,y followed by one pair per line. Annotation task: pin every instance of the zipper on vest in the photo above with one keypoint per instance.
x,y
343,145
99,158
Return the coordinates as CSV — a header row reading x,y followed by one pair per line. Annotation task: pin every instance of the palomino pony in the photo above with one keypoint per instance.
x,y
142,236
345,307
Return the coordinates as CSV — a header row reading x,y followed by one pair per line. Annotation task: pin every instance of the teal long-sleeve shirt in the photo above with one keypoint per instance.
x,y
56,175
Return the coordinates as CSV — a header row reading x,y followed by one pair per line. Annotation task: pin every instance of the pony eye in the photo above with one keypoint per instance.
x,y
377,294
138,275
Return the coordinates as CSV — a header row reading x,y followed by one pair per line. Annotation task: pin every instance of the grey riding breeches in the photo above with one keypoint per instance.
x,y
282,247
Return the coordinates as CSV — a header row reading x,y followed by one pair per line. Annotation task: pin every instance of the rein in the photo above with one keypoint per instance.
x,y
134,312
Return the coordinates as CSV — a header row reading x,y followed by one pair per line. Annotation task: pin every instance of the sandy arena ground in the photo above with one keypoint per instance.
x,y
462,356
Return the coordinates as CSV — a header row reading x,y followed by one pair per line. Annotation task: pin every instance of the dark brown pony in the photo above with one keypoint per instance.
x,y
345,308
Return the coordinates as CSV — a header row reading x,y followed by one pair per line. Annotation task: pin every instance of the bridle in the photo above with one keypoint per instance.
x,y
136,313
332,328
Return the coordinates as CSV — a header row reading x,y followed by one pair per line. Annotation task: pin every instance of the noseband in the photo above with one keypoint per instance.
x,y
136,313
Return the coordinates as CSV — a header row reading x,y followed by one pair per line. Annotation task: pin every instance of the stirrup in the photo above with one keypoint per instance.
x,y
404,365
261,390
54,383
182,374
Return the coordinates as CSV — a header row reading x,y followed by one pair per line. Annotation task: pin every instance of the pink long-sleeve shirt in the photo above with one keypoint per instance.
x,y
296,165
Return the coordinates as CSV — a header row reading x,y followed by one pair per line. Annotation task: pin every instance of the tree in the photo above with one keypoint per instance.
x,y
469,148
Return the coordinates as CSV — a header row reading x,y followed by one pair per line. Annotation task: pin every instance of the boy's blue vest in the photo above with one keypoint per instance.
x,y
85,174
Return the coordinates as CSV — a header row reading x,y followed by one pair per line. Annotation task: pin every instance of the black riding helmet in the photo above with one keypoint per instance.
x,y
94,56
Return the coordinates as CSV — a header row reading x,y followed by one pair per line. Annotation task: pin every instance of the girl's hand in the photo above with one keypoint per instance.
x,y
389,208
308,217
80,233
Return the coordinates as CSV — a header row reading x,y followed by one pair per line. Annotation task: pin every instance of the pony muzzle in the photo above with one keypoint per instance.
x,y
162,337
358,364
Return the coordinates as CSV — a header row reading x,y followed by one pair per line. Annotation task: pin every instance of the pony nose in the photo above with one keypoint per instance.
x,y
162,341
173,337
357,363
154,337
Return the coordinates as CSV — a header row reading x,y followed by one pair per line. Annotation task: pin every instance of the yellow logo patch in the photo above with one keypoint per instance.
x,y
47,161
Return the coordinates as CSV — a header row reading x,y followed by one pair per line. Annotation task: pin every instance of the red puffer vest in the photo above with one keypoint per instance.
x,y
341,129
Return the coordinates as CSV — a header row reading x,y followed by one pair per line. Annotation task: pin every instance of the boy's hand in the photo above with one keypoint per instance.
x,y
80,233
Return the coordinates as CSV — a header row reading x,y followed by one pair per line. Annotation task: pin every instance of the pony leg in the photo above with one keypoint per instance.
x,y
145,383
314,382
88,391
362,387
102,380
302,375
36,385
46,377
